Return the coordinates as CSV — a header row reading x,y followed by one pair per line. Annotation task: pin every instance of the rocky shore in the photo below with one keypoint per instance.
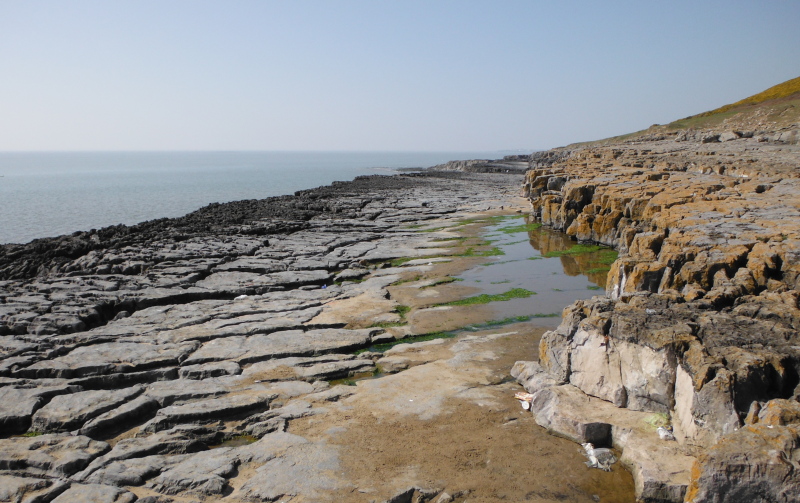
x,y
197,359
212,357
699,330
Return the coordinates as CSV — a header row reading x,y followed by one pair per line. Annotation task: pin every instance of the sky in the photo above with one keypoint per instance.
x,y
432,75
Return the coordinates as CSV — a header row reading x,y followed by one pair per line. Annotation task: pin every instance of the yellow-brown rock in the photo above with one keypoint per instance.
x,y
702,315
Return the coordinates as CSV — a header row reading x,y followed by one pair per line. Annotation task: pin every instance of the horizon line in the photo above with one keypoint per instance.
x,y
321,151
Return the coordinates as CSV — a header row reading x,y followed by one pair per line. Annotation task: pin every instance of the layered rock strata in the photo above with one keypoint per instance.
x,y
126,352
700,325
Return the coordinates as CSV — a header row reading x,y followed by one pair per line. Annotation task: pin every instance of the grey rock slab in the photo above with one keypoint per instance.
x,y
49,455
353,252
266,427
126,380
16,408
287,389
531,376
204,473
95,493
289,300
297,468
132,472
156,296
351,274
260,265
261,323
333,394
661,472
206,370
12,381
292,410
565,410
225,407
314,368
47,494
276,419
12,346
336,369
119,418
281,345
179,440
10,365
160,318
237,283
69,412
158,499
311,264
393,364
14,489
180,390
109,358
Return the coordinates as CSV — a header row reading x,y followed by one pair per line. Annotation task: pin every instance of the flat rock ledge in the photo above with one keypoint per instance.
x,y
699,330
162,362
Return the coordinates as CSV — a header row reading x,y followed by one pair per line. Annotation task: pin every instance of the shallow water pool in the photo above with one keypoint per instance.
x,y
554,266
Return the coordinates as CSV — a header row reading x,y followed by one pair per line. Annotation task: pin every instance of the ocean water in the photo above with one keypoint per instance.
x,y
46,194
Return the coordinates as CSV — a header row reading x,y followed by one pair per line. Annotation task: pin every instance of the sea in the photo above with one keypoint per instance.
x,y
44,194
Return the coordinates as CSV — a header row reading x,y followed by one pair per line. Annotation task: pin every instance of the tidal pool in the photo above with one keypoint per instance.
x,y
554,266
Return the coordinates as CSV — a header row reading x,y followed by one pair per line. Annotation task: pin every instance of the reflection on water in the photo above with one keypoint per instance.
x,y
592,264
550,263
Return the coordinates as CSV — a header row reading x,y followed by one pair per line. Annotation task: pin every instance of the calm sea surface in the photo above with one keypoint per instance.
x,y
49,194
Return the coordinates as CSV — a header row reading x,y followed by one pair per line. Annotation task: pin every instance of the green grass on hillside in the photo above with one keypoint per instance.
x,y
781,104
783,90
788,92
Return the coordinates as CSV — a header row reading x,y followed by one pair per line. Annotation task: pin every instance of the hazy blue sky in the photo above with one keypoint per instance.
x,y
375,75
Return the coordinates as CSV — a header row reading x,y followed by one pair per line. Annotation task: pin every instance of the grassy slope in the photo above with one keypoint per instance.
x,y
779,104
783,90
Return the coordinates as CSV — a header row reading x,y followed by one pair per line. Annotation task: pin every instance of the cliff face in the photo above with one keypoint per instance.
x,y
701,323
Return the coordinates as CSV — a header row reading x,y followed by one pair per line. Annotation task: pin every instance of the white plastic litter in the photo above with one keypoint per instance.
x,y
241,297
665,433
601,458
525,399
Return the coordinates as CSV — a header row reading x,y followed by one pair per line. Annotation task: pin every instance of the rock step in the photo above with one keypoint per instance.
x,y
227,407
661,469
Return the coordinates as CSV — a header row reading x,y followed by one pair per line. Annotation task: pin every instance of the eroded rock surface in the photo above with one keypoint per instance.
x,y
700,327
189,344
